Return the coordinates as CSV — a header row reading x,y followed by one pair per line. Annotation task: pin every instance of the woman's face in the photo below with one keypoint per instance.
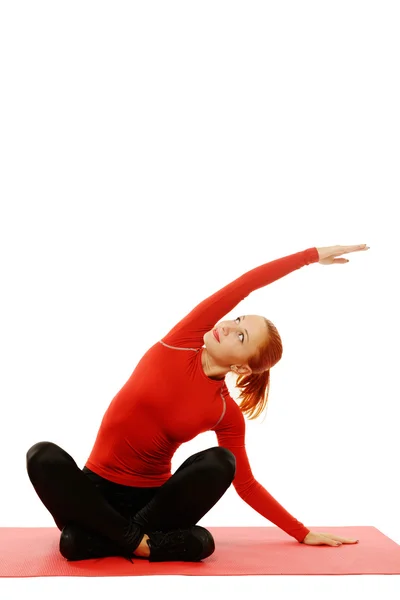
x,y
238,341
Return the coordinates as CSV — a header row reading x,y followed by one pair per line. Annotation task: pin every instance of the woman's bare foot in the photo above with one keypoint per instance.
x,y
143,550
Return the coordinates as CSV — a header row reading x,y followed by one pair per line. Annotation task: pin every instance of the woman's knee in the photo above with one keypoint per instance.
x,y
40,454
224,457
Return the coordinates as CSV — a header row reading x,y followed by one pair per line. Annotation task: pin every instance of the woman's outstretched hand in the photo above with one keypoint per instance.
x,y
327,256
320,539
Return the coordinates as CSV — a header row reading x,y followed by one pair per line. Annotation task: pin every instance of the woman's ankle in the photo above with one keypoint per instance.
x,y
143,549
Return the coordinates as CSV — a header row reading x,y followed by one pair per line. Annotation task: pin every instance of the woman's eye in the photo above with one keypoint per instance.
x,y
240,334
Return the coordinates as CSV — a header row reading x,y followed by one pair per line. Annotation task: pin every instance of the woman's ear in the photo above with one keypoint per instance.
x,y
242,370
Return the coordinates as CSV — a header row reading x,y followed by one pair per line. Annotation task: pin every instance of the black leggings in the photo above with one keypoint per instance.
x,y
84,498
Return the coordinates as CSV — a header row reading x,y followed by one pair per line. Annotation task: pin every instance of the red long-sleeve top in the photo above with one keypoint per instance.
x,y
169,400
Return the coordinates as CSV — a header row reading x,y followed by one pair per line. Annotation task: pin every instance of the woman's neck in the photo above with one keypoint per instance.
x,y
213,372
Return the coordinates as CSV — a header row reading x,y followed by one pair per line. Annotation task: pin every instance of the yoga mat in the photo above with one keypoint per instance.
x,y
33,552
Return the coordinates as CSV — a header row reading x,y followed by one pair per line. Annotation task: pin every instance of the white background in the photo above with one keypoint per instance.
x,y
152,152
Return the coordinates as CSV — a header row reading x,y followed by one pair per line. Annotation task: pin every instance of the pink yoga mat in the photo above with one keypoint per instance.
x,y
33,552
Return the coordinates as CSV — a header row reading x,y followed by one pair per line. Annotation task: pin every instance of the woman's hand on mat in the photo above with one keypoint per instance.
x,y
320,539
327,256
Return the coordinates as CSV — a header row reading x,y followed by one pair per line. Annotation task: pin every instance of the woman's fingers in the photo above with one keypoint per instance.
x,y
318,539
358,248
342,540
348,249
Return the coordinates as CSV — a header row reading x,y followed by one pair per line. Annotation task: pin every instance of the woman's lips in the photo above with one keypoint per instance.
x,y
216,335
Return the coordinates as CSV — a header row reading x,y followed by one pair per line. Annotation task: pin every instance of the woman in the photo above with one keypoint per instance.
x,y
125,502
